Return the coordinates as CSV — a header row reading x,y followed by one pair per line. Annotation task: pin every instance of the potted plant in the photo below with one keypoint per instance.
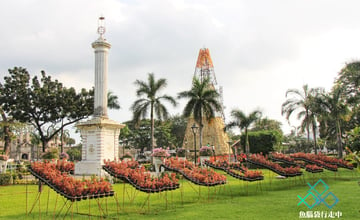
x,y
180,153
127,156
205,153
158,155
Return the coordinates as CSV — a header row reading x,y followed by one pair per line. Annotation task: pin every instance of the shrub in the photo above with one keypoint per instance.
x,y
5,179
180,152
205,151
51,153
262,141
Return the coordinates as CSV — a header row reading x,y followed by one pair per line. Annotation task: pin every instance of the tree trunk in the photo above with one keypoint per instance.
x,y
7,134
314,136
7,140
43,143
152,129
247,147
338,137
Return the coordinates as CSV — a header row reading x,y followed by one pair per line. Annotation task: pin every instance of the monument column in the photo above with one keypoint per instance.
x,y
100,135
101,73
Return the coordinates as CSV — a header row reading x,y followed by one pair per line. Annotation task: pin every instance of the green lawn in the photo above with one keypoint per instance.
x,y
269,199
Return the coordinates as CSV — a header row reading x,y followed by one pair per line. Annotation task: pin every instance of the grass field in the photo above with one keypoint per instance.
x,y
269,199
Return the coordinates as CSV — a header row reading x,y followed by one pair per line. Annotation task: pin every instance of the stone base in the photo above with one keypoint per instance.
x,y
89,168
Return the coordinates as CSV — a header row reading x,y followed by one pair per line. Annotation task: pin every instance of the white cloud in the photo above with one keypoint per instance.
x,y
259,48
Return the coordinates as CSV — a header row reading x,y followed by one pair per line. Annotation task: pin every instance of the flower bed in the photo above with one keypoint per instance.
x,y
65,166
247,175
236,170
316,159
279,157
130,172
68,186
260,160
197,175
313,168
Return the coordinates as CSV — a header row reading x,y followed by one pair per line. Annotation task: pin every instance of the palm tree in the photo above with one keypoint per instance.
x,y
113,102
203,102
334,111
241,120
149,99
303,103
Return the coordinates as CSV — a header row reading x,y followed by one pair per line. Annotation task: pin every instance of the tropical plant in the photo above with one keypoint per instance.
x,y
148,92
113,102
303,102
334,113
203,102
243,121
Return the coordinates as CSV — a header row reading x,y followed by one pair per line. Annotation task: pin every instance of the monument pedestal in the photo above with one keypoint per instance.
x,y
100,141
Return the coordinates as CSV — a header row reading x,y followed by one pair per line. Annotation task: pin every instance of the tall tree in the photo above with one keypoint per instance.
x,y
267,124
349,80
44,103
334,112
203,101
149,99
301,101
243,121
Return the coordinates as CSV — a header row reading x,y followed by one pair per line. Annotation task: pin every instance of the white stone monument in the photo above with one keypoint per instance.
x,y
100,135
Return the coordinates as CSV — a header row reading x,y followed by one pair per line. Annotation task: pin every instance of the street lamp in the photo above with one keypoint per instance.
x,y
194,129
229,142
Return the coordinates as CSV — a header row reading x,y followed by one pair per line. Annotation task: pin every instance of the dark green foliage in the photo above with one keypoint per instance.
x,y
45,103
5,179
203,101
262,141
150,100
51,153
74,153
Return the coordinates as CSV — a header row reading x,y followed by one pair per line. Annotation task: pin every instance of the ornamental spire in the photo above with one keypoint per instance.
x,y
101,26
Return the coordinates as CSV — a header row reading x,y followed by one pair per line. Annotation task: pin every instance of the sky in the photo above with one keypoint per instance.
x,y
259,48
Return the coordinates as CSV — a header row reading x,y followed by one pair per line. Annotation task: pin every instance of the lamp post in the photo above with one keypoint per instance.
x,y
229,142
194,129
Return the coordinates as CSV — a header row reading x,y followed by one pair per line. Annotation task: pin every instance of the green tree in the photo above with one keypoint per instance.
x,y
349,80
267,124
149,99
243,121
302,102
75,153
178,127
203,102
334,113
44,103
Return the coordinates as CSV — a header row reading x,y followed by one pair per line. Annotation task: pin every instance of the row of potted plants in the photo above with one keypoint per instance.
x,y
198,175
313,168
260,160
314,159
236,170
68,186
247,175
138,177
65,166
282,158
